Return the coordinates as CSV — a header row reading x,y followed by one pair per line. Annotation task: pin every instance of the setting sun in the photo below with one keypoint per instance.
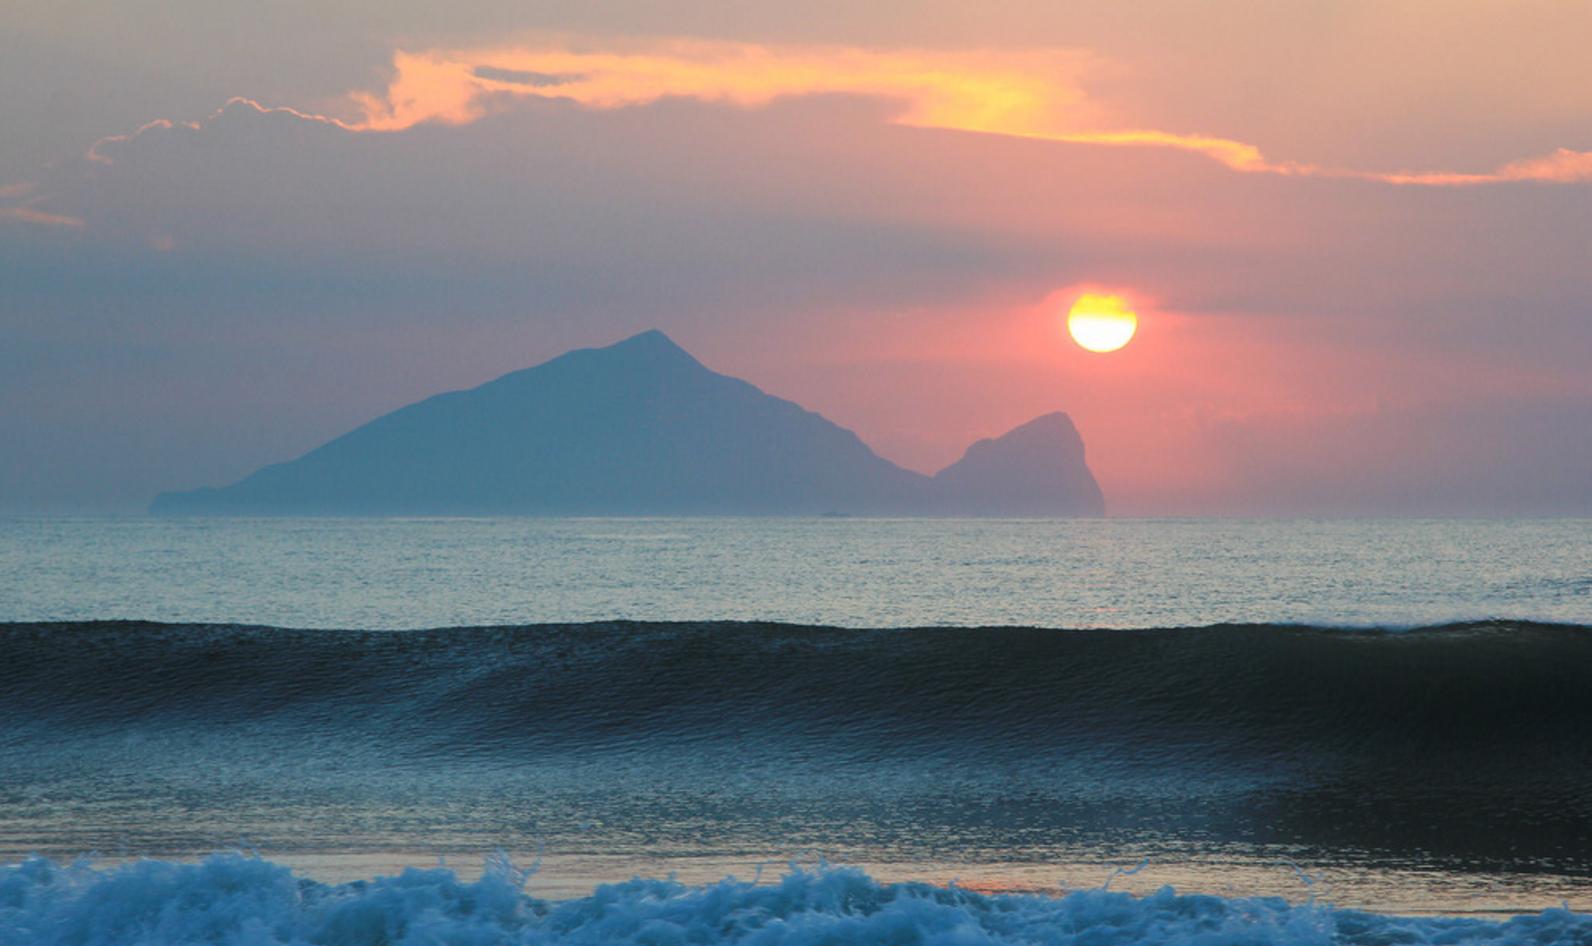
x,y
1101,323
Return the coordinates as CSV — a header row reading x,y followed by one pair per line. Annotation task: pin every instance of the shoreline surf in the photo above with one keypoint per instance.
x,y
236,898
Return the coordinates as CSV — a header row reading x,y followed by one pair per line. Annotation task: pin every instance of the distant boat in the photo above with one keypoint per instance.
x,y
643,428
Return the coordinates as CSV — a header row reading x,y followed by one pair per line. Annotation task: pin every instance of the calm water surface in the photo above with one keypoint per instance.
x,y
355,573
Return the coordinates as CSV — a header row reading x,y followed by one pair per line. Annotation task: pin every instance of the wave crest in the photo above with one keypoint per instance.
x,y
234,899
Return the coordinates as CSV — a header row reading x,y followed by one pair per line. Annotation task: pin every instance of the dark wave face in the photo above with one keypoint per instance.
x,y
1464,746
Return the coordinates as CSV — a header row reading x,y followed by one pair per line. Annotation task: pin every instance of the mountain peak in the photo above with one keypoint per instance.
x,y
1056,423
646,353
1035,468
652,341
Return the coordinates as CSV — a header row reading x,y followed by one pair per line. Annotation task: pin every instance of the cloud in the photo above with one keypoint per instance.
x,y
96,151
1563,165
102,150
1035,94
43,217
28,208
999,92
538,80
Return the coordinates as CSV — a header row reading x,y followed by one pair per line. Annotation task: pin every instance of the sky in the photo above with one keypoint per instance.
x,y
1356,233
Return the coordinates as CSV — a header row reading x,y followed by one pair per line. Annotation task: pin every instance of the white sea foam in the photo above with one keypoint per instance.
x,y
245,901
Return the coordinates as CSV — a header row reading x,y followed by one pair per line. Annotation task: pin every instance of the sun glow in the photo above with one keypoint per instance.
x,y
1101,323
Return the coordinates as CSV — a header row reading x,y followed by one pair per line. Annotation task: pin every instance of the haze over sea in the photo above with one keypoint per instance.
x,y
859,573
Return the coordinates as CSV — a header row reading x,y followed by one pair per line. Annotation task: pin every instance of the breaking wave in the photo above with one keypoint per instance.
x,y
1465,742
1234,693
231,899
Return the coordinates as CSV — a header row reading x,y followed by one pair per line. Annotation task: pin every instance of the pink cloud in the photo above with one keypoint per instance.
x,y
42,217
1036,94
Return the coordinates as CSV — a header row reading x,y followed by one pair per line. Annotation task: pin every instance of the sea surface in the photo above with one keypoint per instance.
x,y
860,573
951,731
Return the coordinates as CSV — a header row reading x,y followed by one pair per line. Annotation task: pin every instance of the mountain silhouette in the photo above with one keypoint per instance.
x,y
642,428
1034,470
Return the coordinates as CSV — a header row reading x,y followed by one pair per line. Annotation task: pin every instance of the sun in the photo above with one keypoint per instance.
x,y
1101,322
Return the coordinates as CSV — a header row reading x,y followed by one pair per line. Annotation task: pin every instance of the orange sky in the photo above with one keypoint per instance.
x,y
1355,233
1020,93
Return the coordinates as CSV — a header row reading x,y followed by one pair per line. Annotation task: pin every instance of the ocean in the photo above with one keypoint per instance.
x,y
954,731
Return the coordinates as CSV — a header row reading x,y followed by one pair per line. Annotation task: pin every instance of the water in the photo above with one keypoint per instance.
x,y
383,573
1015,757
236,900
1037,706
